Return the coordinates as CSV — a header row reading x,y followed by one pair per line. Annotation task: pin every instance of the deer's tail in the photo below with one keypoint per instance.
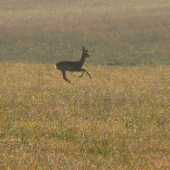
x,y
56,66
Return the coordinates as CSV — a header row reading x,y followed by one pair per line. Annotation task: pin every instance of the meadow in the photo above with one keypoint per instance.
x,y
119,120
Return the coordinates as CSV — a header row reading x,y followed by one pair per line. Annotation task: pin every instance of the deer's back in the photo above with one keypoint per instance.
x,y
68,66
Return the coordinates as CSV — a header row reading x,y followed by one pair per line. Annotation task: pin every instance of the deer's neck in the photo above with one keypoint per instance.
x,y
82,60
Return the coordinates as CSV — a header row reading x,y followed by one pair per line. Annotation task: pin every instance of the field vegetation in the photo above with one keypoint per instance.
x,y
120,119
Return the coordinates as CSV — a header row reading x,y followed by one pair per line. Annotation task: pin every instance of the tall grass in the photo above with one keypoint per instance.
x,y
118,121
129,32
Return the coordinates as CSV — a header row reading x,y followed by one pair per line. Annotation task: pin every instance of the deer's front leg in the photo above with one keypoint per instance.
x,y
86,72
82,74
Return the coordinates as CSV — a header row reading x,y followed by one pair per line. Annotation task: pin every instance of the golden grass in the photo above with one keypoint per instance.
x,y
120,120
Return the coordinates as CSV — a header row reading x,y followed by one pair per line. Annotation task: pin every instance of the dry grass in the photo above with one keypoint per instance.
x,y
118,121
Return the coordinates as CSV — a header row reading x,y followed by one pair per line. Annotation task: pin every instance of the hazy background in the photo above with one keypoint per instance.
x,y
134,32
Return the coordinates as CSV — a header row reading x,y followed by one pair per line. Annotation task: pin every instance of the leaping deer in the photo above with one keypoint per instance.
x,y
64,66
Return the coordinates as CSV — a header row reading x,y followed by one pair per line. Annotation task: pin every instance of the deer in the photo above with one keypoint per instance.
x,y
64,66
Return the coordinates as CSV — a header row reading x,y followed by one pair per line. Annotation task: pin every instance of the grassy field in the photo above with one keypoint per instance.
x,y
120,119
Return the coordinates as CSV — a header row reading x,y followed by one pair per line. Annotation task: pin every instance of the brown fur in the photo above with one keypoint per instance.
x,y
64,66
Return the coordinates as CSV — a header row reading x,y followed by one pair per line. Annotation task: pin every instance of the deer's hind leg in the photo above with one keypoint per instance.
x,y
64,75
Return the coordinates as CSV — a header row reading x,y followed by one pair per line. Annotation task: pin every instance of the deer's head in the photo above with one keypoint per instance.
x,y
84,52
